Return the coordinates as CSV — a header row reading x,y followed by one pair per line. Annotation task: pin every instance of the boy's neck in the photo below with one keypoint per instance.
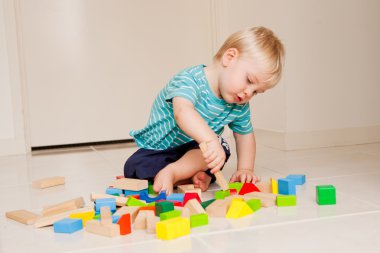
x,y
212,75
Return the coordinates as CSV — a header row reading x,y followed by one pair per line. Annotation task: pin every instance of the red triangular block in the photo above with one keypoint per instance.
x,y
247,188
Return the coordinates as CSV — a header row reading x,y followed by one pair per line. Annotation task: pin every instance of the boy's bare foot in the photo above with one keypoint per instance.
x,y
201,180
164,181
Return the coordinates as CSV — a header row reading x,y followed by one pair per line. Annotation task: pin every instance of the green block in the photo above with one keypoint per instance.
x,y
235,185
170,215
326,195
134,202
197,220
164,206
150,189
205,204
96,217
222,194
151,204
254,204
286,200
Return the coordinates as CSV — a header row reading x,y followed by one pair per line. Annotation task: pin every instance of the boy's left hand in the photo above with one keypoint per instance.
x,y
244,176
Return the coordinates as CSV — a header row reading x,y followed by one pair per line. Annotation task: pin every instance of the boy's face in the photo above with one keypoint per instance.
x,y
241,79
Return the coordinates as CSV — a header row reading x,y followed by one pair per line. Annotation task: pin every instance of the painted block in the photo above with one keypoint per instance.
x,y
206,203
222,194
286,200
115,218
238,209
67,225
144,196
176,197
197,220
129,193
170,215
254,204
299,179
111,202
173,228
235,185
274,185
85,216
132,201
189,196
286,186
326,194
125,224
164,206
247,188
114,191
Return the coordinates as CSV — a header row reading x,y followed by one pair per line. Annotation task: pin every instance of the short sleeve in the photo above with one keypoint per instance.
x,y
182,85
242,123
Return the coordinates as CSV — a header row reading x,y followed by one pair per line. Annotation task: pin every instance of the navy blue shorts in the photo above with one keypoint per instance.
x,y
146,163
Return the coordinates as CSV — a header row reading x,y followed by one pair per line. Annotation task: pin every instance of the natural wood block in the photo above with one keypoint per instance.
x,y
48,182
264,187
22,216
130,184
95,227
195,190
49,220
105,215
183,188
140,222
151,221
194,206
218,208
63,207
132,210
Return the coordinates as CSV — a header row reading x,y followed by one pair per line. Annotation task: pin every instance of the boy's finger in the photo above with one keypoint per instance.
x,y
243,178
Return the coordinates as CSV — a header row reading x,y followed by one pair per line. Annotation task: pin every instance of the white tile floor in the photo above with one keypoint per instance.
x,y
353,225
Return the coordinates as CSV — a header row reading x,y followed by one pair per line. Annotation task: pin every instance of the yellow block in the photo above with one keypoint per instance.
x,y
274,186
85,216
173,228
238,209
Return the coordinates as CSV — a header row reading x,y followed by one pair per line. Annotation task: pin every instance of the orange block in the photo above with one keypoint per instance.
x,y
149,208
125,224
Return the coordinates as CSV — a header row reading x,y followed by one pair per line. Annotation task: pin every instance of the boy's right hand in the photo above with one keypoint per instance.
x,y
214,156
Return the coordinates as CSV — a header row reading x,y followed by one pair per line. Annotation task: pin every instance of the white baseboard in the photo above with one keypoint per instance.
x,y
12,147
318,139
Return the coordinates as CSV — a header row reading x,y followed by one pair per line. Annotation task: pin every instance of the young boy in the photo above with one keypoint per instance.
x,y
195,106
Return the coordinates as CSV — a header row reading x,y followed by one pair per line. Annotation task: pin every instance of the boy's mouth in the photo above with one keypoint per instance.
x,y
238,99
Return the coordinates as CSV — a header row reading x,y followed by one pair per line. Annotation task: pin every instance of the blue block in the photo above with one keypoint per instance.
x,y
67,225
111,202
128,192
115,218
113,191
176,197
299,179
286,186
144,196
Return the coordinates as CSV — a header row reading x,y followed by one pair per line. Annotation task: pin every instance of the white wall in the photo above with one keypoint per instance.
x,y
330,93
12,140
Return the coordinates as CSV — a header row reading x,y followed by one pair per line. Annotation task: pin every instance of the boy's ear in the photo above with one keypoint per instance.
x,y
229,56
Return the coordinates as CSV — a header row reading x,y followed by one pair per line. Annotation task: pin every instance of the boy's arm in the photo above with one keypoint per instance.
x,y
246,154
196,127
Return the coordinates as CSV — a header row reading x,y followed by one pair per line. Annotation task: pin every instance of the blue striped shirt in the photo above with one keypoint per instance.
x,y
162,132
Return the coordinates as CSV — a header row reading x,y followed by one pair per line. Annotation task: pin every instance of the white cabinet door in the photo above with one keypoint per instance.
x,y
94,67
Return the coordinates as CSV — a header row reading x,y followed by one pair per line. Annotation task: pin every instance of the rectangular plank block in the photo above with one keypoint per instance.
x,y
48,182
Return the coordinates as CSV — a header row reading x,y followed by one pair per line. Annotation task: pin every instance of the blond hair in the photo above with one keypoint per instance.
x,y
261,44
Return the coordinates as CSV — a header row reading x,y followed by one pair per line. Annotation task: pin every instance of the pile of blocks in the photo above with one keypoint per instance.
x,y
132,202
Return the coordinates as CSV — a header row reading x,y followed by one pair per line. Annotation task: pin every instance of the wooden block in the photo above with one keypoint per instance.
x,y
184,187
274,186
267,199
49,220
22,216
84,216
105,215
173,228
220,180
48,182
63,207
195,190
218,208
120,201
151,222
125,224
140,222
264,187
132,210
130,184
95,227
194,206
